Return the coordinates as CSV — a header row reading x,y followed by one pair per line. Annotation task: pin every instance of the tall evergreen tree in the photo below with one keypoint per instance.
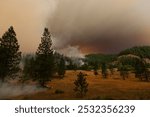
x,y
61,68
44,62
10,55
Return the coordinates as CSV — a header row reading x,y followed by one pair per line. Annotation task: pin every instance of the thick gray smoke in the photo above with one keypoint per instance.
x,y
29,18
8,90
100,25
89,25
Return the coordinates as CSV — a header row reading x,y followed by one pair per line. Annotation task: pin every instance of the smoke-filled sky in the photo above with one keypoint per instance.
x,y
86,26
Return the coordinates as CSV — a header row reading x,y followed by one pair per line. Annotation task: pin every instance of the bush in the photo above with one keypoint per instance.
x,y
58,91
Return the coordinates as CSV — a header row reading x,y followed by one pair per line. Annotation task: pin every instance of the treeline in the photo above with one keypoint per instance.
x,y
141,51
95,61
134,60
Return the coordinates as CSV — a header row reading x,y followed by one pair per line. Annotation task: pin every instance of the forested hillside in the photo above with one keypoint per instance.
x,y
141,51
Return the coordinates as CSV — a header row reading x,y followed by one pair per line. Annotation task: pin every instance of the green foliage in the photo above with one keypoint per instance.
x,y
42,67
45,45
44,61
71,65
85,67
104,70
61,67
128,60
134,58
29,66
141,70
100,58
10,55
96,66
141,51
81,85
124,71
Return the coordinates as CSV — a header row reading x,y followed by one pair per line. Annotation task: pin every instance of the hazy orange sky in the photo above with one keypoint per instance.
x,y
102,26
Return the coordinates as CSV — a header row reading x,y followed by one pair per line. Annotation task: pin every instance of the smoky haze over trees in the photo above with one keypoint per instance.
x,y
61,67
43,64
107,26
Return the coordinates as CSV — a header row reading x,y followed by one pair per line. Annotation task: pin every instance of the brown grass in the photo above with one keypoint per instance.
x,y
111,88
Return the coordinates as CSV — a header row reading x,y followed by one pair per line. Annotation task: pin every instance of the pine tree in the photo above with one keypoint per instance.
x,y
10,55
45,47
44,62
61,67
81,85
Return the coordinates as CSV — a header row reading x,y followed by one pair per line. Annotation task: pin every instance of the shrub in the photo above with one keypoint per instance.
x,y
58,91
81,85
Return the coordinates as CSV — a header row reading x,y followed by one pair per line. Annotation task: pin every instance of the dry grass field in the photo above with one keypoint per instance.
x,y
101,89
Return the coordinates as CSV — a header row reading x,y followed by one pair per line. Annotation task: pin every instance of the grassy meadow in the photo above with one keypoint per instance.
x,y
112,88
